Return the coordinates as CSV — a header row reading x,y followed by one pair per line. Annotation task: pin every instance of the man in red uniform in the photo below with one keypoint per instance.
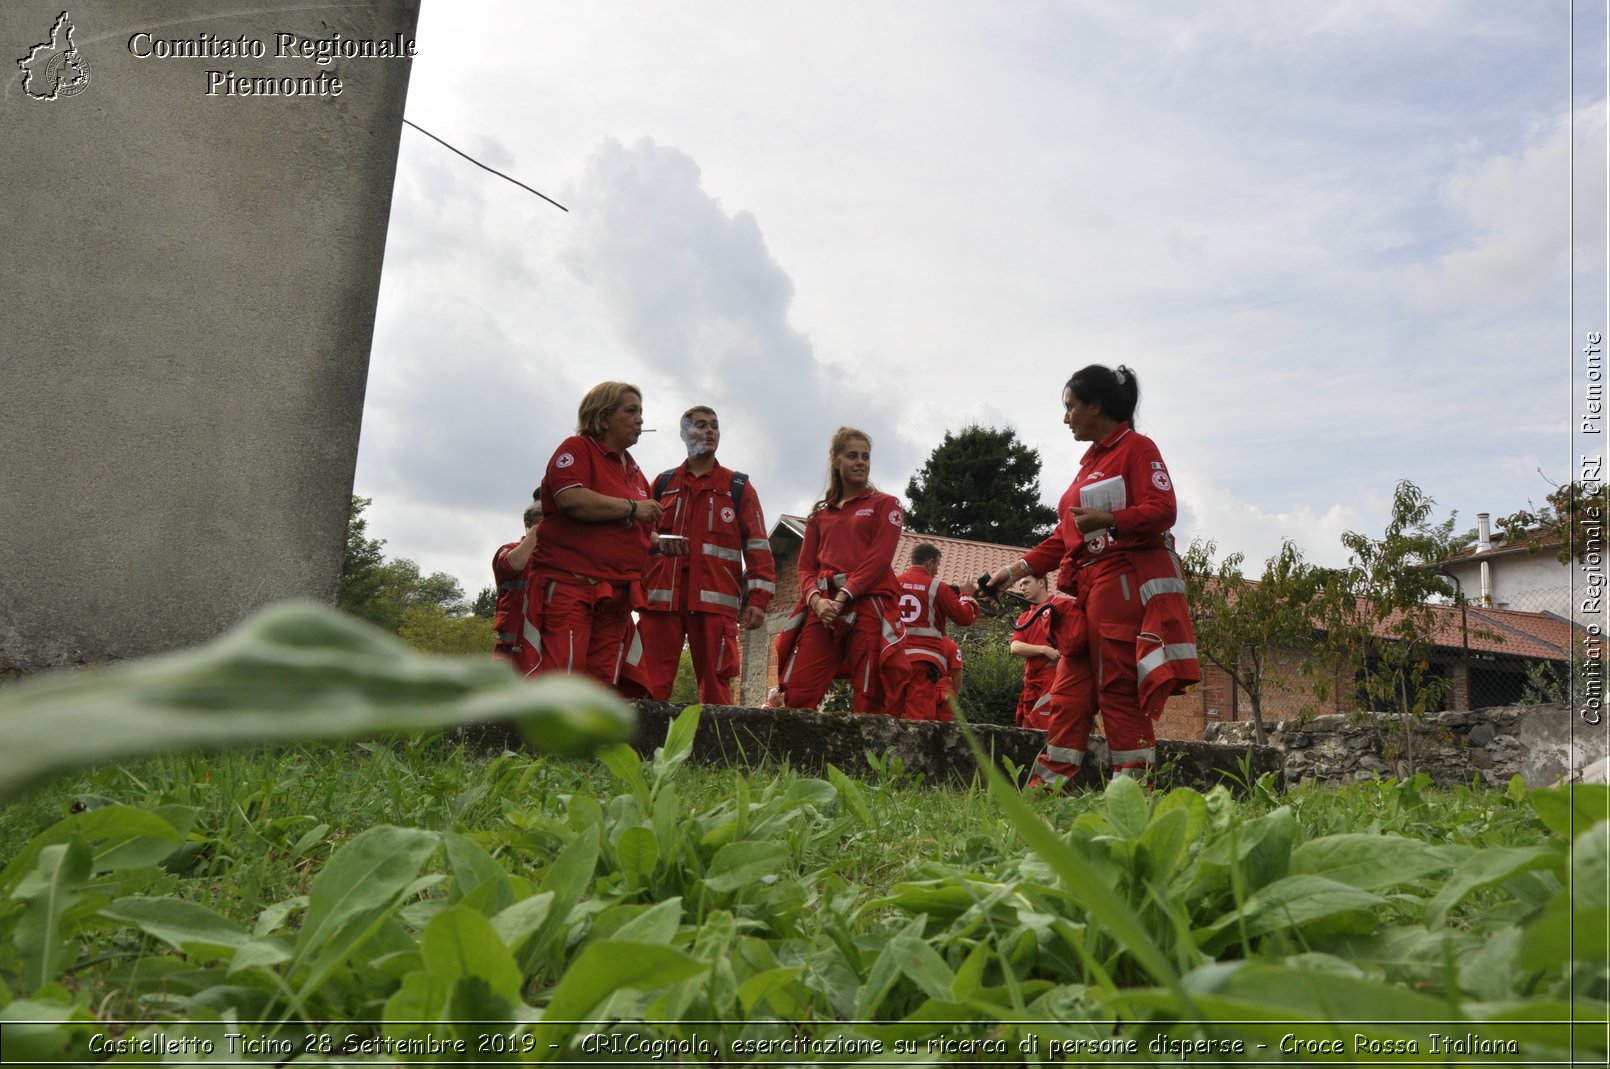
x,y
1031,640
926,604
724,577
508,572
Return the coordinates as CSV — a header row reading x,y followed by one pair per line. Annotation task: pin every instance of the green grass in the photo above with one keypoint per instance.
x,y
345,896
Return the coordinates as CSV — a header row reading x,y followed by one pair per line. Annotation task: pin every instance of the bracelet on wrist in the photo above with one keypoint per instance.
x,y
631,510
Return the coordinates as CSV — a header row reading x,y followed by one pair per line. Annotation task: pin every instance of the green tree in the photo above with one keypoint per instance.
x,y
984,485
1574,515
361,578
486,603
1378,617
1240,625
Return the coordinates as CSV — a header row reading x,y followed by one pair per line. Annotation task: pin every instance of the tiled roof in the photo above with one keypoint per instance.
x,y
1536,540
959,559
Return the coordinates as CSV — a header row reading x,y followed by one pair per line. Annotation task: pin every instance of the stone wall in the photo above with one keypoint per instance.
x,y
1543,744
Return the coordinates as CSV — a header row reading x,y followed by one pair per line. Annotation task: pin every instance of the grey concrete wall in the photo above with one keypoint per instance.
x,y
185,318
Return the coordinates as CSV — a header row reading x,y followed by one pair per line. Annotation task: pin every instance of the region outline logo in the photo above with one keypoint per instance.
x,y
53,69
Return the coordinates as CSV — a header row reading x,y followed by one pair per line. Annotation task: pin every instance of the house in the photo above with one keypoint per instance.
x,y
1516,570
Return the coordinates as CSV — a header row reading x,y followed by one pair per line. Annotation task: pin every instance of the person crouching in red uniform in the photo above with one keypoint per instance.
x,y
724,575
597,532
1113,539
926,604
849,607
508,575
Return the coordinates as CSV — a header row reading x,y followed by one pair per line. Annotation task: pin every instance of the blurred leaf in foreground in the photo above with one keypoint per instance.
x,y
293,670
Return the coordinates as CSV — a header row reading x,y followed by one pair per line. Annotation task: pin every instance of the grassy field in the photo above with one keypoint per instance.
x,y
377,902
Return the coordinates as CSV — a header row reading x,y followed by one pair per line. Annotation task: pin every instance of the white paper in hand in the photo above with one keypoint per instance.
x,y
1107,495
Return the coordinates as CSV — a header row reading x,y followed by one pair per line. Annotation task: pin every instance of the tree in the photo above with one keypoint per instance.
x,y
984,485
361,578
1574,515
430,612
1240,625
1378,617
486,603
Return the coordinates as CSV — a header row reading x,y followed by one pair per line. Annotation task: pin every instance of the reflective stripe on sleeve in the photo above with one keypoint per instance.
x,y
758,545
761,584
720,599
1174,651
1154,587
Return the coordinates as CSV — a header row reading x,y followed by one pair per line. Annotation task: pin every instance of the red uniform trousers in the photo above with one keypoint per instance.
x,y
880,674
1067,709
1113,613
923,694
583,628
712,642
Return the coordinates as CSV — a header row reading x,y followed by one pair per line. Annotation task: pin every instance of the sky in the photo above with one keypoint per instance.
x,y
1333,240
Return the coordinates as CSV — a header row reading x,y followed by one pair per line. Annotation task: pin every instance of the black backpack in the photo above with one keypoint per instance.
x,y
739,482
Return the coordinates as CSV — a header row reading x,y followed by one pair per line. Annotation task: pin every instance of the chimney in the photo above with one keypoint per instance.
x,y
1484,542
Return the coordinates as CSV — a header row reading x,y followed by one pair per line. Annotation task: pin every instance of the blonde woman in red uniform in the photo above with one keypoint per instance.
x,y
597,533
1117,554
849,608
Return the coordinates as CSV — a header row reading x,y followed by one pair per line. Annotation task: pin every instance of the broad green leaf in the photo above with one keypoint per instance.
x,y
460,943
518,922
638,851
772,986
567,880
366,873
852,796
1163,844
678,742
1569,811
40,1030
1368,862
740,864
1125,803
599,971
49,891
1191,803
625,765
1590,866
362,883
121,836
292,670
657,924
186,926
1296,902
923,965
260,954
1486,868
274,916
472,867
422,999
970,977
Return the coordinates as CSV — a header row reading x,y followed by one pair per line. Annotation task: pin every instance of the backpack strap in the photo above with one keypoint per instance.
x,y
740,482
661,481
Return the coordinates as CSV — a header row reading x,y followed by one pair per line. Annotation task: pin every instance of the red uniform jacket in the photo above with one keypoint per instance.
x,y
728,556
614,550
1145,518
926,603
1033,626
1165,649
849,545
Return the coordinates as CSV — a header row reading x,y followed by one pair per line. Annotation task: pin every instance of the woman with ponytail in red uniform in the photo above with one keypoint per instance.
x,y
849,607
1114,544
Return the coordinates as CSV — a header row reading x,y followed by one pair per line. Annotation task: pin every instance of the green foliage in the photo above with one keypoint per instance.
x,y
1574,518
1377,613
992,679
503,901
429,612
1240,626
982,484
